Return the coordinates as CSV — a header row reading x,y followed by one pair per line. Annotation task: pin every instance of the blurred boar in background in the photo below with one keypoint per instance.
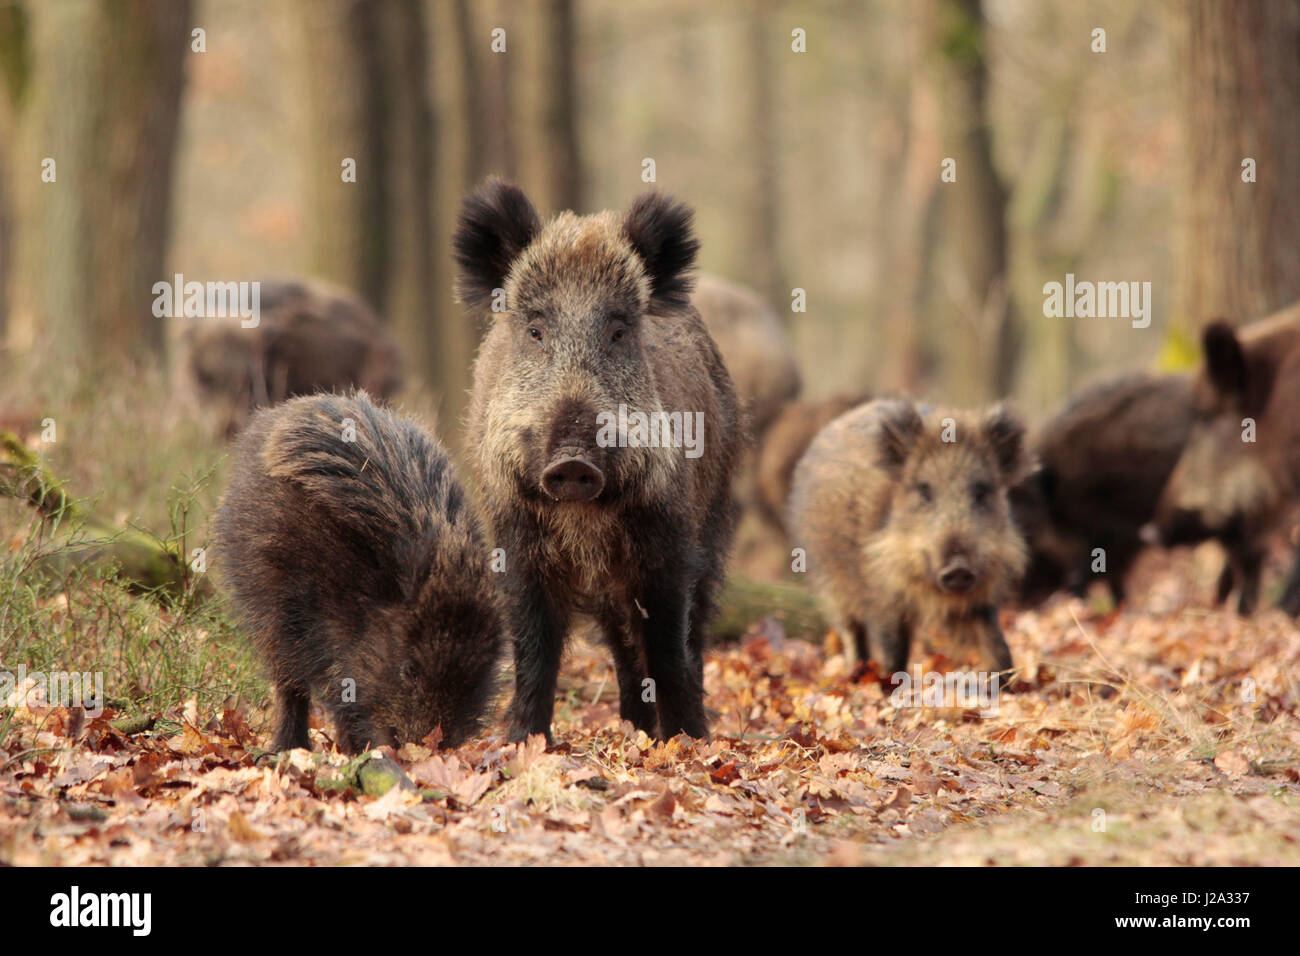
x,y
1102,461
356,564
629,527
311,337
784,443
753,344
905,520
1238,479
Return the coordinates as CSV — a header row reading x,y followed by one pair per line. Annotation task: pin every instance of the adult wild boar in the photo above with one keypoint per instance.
x,y
1102,462
784,443
1238,479
753,344
904,517
310,337
593,337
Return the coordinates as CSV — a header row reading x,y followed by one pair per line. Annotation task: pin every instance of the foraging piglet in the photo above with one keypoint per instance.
x,y
357,566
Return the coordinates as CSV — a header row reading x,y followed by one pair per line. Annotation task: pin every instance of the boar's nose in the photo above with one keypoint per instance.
x,y
572,479
956,577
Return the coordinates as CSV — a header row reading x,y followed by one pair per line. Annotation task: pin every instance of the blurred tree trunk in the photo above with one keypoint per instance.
x,y
368,72
487,79
1240,98
105,89
15,53
908,328
765,232
983,353
561,110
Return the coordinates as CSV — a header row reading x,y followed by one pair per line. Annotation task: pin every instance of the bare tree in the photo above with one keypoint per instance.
x,y
1240,103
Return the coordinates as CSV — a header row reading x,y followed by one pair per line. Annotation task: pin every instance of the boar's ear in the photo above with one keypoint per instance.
x,y
497,222
1005,433
1224,359
659,228
898,426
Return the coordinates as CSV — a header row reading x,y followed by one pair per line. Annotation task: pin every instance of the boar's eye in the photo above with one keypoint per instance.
x,y
535,334
619,332
924,491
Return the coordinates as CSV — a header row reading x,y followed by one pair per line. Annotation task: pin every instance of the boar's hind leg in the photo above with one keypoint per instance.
x,y
1290,600
539,629
679,692
629,665
290,717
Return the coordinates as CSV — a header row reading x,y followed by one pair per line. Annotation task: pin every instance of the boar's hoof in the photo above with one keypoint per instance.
x,y
572,479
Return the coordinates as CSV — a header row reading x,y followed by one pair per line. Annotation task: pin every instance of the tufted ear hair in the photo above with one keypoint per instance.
x,y
496,224
1005,433
1224,359
660,230
898,426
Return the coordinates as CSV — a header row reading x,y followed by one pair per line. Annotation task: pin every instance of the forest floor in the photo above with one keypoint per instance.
x,y
1134,738
1168,733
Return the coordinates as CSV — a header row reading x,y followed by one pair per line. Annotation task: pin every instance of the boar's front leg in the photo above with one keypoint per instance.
x,y
888,639
1290,600
630,667
1249,562
677,687
290,717
994,652
538,624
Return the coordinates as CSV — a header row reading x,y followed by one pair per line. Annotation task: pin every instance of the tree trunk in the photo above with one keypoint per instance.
x,y
765,229
367,67
106,82
1240,98
983,350
560,111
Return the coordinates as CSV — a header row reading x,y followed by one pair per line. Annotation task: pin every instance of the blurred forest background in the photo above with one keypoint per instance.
x,y
817,170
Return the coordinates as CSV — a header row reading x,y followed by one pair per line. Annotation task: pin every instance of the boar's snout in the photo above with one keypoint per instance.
x,y
957,577
570,478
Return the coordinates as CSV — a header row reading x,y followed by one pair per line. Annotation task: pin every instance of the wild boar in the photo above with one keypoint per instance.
x,y
784,443
903,515
355,563
606,429
310,337
1238,479
753,344
1102,462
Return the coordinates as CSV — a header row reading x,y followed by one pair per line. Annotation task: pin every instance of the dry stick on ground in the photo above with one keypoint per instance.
x,y
144,562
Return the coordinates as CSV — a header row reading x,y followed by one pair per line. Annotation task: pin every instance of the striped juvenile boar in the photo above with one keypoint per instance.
x,y
904,517
595,513
1238,479
356,565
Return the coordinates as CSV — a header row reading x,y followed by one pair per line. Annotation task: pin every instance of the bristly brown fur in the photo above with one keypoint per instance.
x,y
1102,461
785,443
352,555
596,318
311,337
885,507
1241,492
